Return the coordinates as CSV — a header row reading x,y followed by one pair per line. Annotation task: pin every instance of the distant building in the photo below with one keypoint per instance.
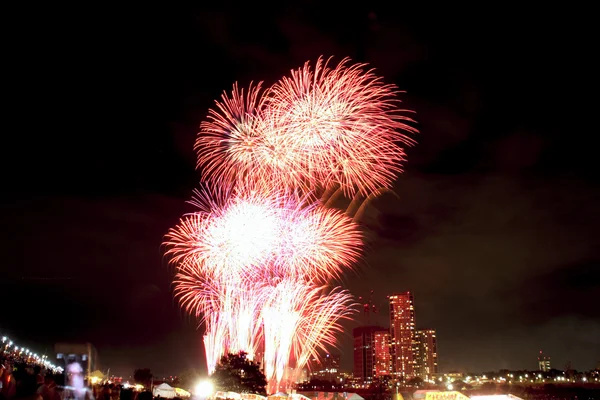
x,y
402,334
543,362
365,348
383,359
327,367
425,354
83,353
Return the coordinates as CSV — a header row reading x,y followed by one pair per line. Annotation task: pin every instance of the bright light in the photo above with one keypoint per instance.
x,y
450,387
204,389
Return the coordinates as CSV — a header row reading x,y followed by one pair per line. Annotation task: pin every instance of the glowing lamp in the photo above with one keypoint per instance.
x,y
204,389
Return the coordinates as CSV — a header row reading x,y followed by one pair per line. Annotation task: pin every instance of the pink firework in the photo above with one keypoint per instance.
x,y
228,235
317,243
343,125
228,142
299,319
228,254
252,234
253,263
233,146
230,311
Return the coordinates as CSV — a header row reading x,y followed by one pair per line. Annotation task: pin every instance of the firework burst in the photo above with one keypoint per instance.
x,y
343,124
232,255
230,141
231,238
233,145
255,261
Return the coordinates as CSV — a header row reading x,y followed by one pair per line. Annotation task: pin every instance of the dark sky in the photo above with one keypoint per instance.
x,y
494,227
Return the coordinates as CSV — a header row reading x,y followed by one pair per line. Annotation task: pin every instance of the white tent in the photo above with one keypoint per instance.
x,y
354,396
252,396
298,396
165,391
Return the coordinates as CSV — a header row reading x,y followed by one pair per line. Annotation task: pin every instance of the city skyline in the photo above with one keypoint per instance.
x,y
492,224
400,352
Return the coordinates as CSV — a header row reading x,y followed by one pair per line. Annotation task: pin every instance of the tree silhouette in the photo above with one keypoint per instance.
x,y
488,388
143,376
235,373
188,378
415,382
458,384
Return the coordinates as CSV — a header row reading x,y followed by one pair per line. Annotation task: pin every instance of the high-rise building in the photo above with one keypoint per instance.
x,y
366,343
383,361
543,362
402,334
425,354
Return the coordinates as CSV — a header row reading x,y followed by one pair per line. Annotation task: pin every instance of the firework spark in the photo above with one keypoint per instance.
x,y
318,128
240,234
299,319
343,124
255,261
233,145
229,253
230,141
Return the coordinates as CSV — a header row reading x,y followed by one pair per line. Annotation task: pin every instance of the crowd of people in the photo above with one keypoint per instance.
x,y
22,381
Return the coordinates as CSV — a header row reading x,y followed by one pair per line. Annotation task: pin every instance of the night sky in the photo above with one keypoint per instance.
x,y
494,226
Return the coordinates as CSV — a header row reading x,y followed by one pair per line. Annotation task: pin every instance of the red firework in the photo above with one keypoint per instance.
x,y
316,129
254,262
233,146
237,236
344,124
229,144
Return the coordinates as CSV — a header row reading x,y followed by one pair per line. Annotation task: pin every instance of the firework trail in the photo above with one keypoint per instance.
x,y
214,340
230,311
299,318
229,252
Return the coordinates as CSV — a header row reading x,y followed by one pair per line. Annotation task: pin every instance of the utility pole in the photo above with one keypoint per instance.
x,y
368,306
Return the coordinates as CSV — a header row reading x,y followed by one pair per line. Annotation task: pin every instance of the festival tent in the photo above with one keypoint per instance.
x,y
182,393
496,397
354,396
298,396
278,396
252,396
165,391
97,374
